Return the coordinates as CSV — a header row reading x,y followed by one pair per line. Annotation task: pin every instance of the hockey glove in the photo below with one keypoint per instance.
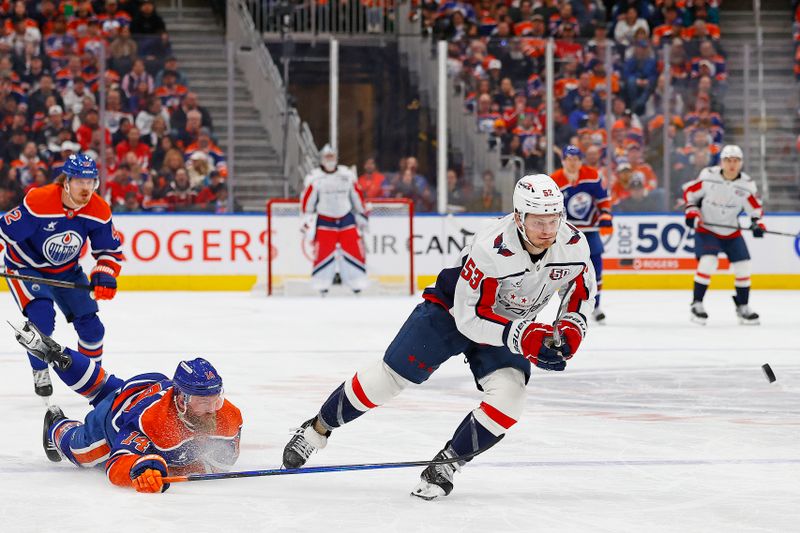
x,y
533,348
571,337
605,224
758,228
692,216
103,281
147,473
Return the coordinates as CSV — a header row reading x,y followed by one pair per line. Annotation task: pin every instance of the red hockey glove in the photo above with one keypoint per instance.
x,y
571,337
536,350
103,281
147,473
758,228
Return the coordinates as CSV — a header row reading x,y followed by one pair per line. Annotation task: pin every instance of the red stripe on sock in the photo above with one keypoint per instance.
x,y
502,419
360,393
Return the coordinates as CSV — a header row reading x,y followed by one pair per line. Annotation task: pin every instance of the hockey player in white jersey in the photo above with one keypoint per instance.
x,y
485,307
335,221
714,202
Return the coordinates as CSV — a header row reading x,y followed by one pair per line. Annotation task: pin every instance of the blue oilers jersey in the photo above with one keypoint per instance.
x,y
44,235
586,201
142,418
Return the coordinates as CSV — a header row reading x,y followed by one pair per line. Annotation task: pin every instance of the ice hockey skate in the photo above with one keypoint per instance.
x,y
303,443
42,347
698,313
747,316
42,384
53,415
437,480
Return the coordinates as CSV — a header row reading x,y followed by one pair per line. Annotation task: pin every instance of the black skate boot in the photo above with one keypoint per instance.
x,y
54,414
599,316
303,443
42,384
699,315
746,315
41,346
437,480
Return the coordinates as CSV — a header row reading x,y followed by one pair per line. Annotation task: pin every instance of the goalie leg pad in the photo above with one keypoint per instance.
x,y
324,268
90,332
503,400
43,315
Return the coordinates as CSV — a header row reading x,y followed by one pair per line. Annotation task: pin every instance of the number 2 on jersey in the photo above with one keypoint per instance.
x,y
472,274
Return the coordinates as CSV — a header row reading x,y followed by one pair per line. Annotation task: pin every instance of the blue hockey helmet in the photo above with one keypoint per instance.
x,y
571,149
197,377
80,166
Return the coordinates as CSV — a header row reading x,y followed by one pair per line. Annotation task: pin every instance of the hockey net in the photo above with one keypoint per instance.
x,y
389,246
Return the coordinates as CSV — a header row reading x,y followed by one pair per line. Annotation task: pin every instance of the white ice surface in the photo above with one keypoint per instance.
x,y
657,424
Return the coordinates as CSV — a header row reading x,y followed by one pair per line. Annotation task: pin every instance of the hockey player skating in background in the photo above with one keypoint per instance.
x,y
335,220
715,200
588,208
44,237
141,429
485,307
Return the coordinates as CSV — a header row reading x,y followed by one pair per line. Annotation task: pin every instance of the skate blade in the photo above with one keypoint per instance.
x,y
46,400
697,320
745,322
428,491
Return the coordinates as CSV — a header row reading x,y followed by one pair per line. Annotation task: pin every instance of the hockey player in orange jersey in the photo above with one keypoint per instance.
x,y
142,429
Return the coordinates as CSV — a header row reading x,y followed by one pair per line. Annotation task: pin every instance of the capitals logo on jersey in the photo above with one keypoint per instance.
x,y
63,247
580,205
501,247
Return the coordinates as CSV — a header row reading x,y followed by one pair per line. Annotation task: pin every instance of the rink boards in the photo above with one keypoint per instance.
x,y
212,252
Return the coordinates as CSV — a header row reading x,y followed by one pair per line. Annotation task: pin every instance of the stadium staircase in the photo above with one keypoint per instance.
x,y
198,41
780,94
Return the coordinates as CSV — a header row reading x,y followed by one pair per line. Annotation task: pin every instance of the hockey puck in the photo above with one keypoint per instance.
x,y
768,372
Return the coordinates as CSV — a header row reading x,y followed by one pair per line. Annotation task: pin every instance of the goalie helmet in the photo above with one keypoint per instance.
x,y
327,158
197,377
731,150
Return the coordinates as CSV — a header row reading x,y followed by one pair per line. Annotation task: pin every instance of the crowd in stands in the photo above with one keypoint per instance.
x,y
154,143
496,50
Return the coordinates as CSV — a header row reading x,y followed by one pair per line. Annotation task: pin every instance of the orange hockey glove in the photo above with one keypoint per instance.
x,y
147,473
104,281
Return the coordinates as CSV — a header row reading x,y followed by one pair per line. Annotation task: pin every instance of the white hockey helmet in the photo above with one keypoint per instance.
x,y
327,158
731,150
537,194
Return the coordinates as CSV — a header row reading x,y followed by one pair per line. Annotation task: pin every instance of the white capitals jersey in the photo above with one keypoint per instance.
x,y
497,288
332,194
721,201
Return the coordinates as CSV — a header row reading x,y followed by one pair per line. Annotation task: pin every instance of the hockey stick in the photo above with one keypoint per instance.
x,y
320,469
766,231
46,281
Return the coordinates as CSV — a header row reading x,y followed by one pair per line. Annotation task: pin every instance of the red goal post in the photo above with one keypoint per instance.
x,y
389,245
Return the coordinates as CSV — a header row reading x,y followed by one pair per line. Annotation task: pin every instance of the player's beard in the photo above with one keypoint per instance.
x,y
205,423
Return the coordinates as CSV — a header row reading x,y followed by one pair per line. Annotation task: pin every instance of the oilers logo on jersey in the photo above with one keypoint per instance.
x,y
580,205
62,247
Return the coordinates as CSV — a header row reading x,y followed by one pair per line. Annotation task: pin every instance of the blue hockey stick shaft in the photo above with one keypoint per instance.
x,y
319,469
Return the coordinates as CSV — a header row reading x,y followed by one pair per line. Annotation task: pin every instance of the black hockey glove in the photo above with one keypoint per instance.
x,y
758,228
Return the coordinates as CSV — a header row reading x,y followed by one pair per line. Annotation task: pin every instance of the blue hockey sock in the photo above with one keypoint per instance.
x,y
337,410
742,295
700,291
87,378
470,436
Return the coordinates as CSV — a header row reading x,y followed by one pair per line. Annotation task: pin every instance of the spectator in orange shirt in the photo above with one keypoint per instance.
x,y
372,181
641,168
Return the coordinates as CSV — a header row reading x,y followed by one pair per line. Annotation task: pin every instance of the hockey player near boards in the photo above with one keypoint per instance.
x,y
715,200
44,236
588,207
142,429
485,307
335,221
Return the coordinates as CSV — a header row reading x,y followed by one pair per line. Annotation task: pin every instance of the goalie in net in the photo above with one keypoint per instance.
x,y
335,220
